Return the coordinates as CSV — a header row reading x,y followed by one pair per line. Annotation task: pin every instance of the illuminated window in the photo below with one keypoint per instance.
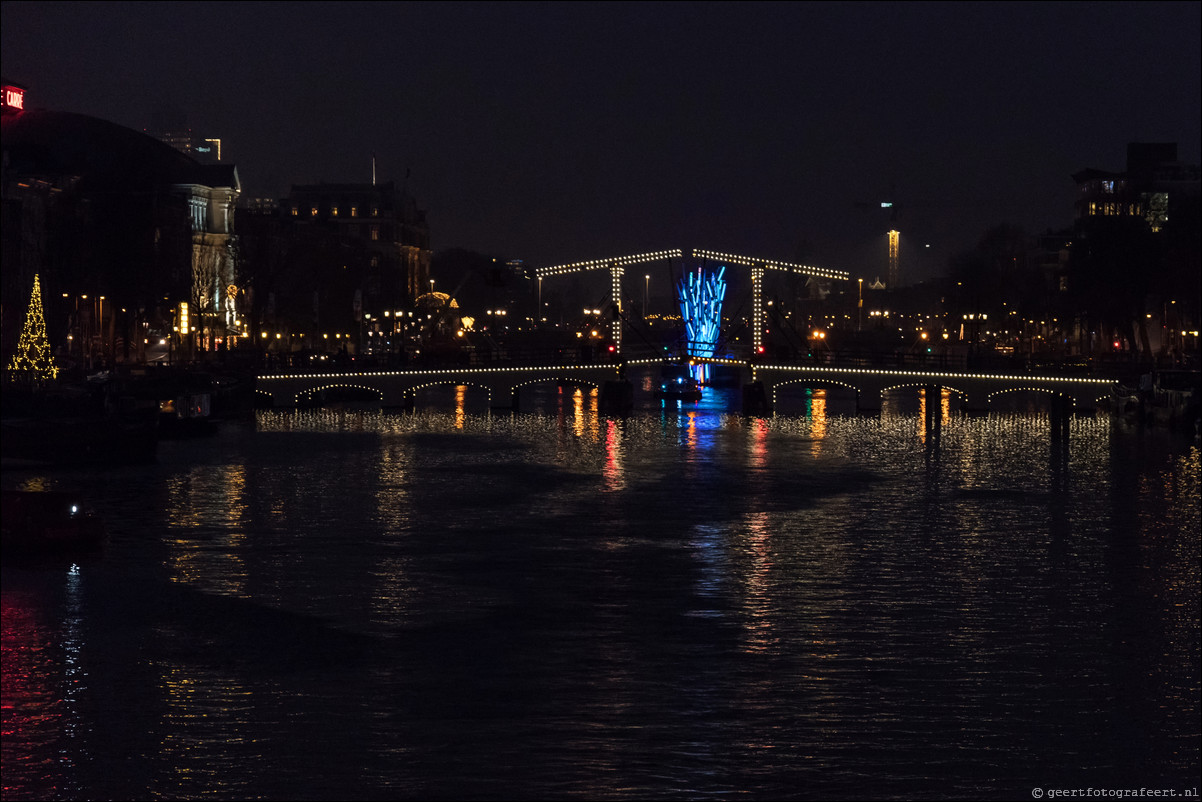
x,y
375,211
354,211
313,211
295,211
334,211
375,232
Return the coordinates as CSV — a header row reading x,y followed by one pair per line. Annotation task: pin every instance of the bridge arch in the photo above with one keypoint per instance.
x,y
1056,396
551,380
308,396
556,380
810,382
450,381
922,385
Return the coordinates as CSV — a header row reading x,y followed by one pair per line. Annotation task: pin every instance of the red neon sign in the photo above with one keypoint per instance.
x,y
14,97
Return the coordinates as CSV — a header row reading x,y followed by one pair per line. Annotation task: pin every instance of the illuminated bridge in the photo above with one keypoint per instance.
x,y
977,390
762,384
399,388
617,268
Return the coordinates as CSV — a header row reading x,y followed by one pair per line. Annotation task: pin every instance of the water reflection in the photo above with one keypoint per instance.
x,y
75,673
206,715
817,415
395,590
759,615
205,511
584,412
34,713
614,471
684,602
460,405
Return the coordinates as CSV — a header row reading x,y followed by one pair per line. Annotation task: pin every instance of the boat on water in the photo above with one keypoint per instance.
x,y
1167,398
50,523
85,423
678,384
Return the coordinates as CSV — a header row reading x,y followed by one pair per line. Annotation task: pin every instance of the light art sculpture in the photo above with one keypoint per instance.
x,y
701,292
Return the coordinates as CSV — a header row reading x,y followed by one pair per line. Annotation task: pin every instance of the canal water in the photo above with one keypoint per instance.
x,y
685,603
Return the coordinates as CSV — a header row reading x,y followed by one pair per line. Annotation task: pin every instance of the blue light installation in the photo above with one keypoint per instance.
x,y
701,292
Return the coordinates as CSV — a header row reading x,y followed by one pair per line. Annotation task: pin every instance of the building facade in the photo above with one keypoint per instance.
x,y
1135,269
1153,187
212,193
384,221
127,235
336,263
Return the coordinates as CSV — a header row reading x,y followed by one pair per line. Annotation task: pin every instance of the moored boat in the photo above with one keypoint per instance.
x,y
678,384
49,523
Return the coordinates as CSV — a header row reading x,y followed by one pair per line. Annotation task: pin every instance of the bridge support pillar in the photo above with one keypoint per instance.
x,y
617,397
755,399
933,406
1061,416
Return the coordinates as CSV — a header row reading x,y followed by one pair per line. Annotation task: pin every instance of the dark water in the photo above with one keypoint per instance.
x,y
683,604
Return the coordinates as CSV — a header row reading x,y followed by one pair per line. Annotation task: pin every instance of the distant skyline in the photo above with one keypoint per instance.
x,y
571,131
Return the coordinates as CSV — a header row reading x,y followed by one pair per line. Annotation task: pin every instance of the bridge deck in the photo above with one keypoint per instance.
x,y
396,388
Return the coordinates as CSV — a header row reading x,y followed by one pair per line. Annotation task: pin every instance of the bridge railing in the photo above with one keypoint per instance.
x,y
597,354
957,362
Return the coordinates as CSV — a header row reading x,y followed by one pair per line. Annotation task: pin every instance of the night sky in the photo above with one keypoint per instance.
x,y
562,132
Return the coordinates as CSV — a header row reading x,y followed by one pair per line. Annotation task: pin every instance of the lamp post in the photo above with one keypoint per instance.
x,y
646,293
538,316
73,329
100,328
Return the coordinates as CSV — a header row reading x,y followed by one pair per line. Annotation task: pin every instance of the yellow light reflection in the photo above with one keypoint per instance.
x,y
818,420
213,500
460,405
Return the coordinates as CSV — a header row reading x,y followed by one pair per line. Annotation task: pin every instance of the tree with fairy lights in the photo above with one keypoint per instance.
x,y
33,363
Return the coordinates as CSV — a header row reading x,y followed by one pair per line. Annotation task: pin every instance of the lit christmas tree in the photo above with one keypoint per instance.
x,y
32,362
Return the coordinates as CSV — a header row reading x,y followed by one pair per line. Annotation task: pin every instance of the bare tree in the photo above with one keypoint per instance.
x,y
210,259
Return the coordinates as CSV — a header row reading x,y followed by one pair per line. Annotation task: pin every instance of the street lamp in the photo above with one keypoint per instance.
x,y
646,293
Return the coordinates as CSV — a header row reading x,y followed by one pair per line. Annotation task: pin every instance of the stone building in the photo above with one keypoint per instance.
x,y
335,262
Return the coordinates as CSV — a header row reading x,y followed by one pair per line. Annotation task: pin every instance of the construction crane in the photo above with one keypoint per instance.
x,y
893,276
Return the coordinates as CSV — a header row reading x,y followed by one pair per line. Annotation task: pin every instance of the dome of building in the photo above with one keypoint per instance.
x,y
102,153
434,301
